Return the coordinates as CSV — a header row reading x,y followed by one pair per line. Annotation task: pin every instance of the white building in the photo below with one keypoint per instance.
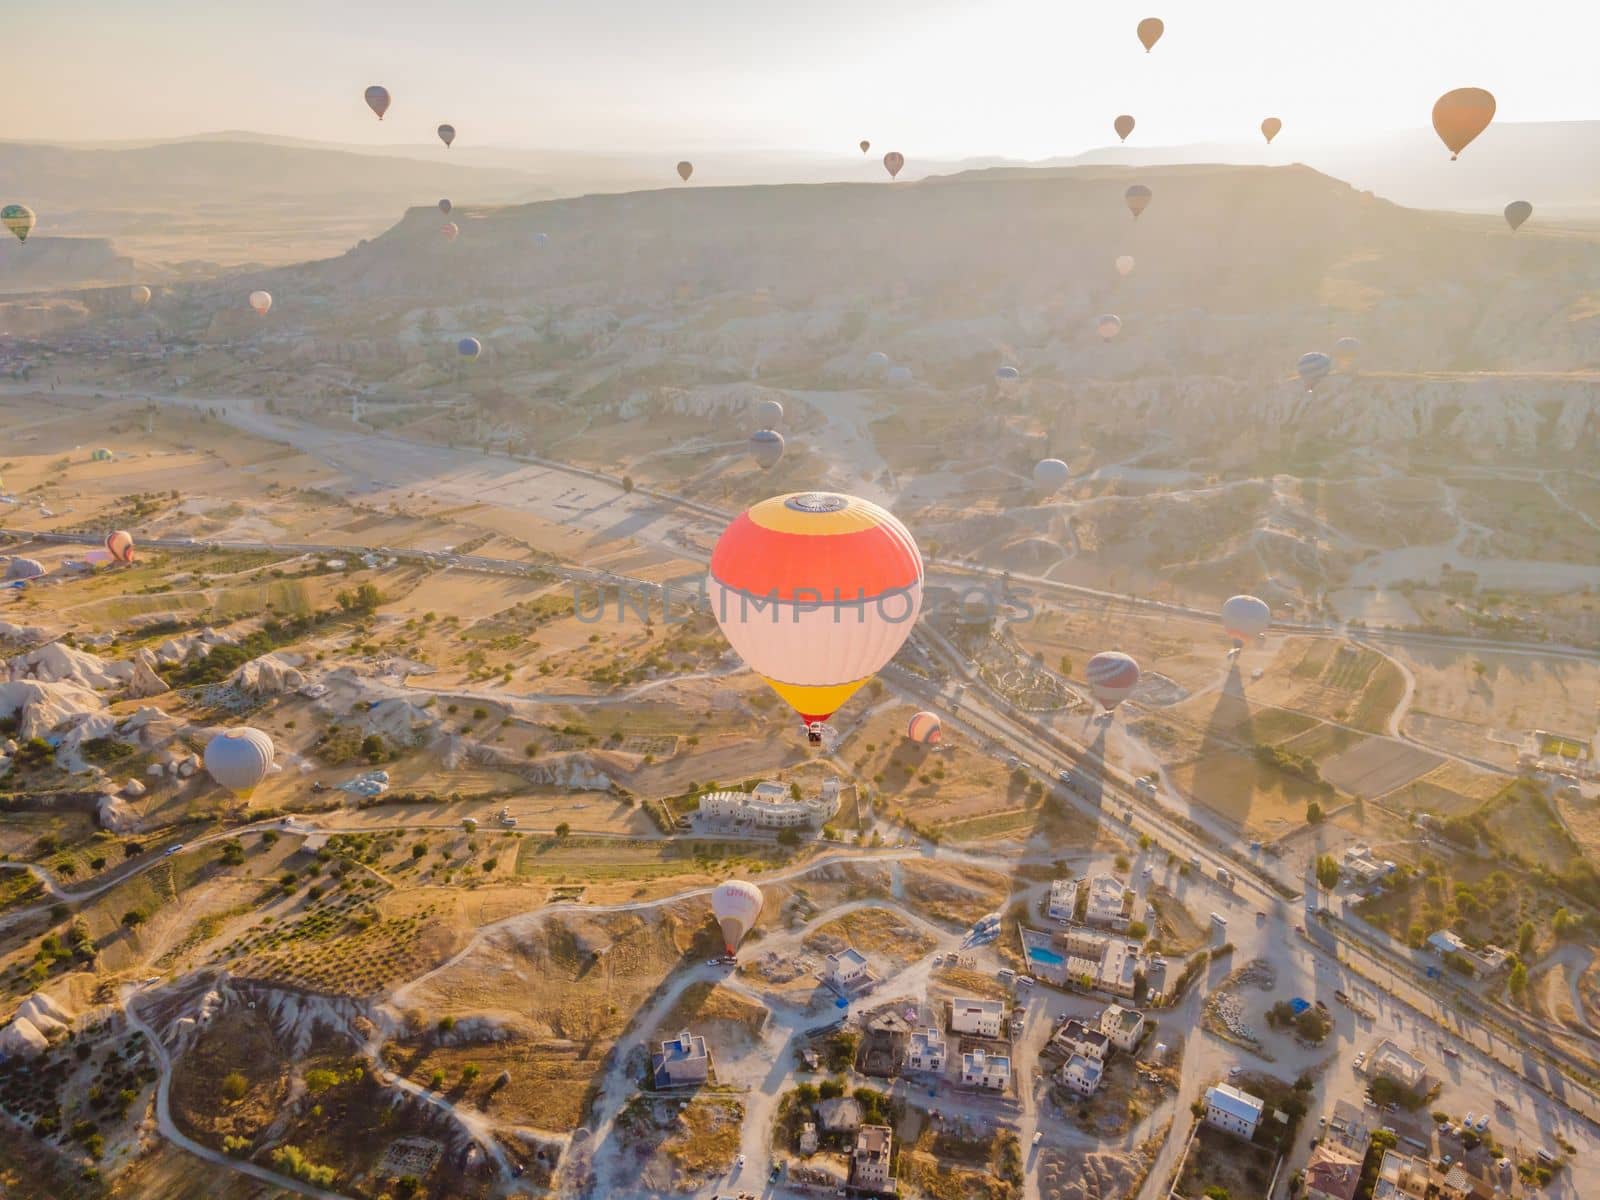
x,y
771,806
1079,1041
846,967
968,1014
1111,906
1447,941
1232,1111
1100,960
869,1165
926,1051
1124,1026
1082,1074
1063,900
981,1069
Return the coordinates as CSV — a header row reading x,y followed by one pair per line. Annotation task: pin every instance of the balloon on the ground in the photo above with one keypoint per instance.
x,y
120,546
816,592
865,145
450,230
925,728
261,302
1108,325
1517,212
766,447
769,414
1346,350
1050,475
736,904
893,161
1313,367
685,169
1245,618
1270,128
140,294
445,206
1123,125
1007,375
447,134
19,219
469,347
378,100
1125,265
1150,31
1138,199
1460,116
239,759
1112,676
24,568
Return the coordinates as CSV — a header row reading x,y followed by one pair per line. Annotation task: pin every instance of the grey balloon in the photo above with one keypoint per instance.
x,y
766,447
769,414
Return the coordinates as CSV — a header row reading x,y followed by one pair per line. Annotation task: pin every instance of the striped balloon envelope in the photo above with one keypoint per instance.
x,y
816,591
120,546
925,728
1112,677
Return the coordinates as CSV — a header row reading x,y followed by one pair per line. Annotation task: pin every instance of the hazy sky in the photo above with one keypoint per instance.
x,y
929,77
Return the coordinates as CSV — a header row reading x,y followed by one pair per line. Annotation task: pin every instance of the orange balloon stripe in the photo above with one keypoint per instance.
x,y
821,568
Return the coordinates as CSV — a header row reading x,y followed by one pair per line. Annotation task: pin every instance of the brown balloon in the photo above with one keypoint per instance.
x,y
1150,31
893,161
1137,198
1460,116
1123,125
685,169
865,146
1270,128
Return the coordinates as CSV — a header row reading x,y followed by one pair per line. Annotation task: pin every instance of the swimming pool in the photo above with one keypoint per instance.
x,y
1040,954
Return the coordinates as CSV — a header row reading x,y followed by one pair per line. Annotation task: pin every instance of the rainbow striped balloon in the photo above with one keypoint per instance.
x,y
925,728
1112,677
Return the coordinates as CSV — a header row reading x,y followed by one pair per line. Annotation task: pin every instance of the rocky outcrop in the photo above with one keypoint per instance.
x,y
114,815
191,646
59,663
22,1039
42,706
269,675
144,682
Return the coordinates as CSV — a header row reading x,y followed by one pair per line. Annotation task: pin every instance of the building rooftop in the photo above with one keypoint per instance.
x,y
1082,1064
1228,1099
1334,1171
849,956
974,1004
683,1047
1121,1018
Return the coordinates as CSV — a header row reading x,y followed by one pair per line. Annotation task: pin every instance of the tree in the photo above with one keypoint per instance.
x,y
234,1086
1217,1192
470,1073
1327,865
788,837
1525,939
627,483
419,849
794,791
407,1187
132,919
1518,981
1066,664
1314,813
563,829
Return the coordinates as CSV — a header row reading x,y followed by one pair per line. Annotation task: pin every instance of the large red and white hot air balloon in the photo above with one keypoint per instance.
x,y
1245,618
1112,677
736,903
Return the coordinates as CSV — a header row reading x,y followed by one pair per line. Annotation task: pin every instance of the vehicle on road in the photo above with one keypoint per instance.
x,y
171,850
1359,1062
1064,775
738,1163
1038,1137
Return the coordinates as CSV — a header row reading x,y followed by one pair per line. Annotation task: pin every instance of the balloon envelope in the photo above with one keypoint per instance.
x,y
1007,374
1123,125
1245,617
19,219
769,414
120,546
1345,351
445,207
447,134
1049,474
685,169
1150,31
1270,128
1112,677
766,447
1517,212
736,904
239,759
140,294
469,347
1460,116
1125,265
1108,326
261,301
893,161
378,100
1313,367
1138,199
816,592
878,359
24,568
865,145
449,229
925,728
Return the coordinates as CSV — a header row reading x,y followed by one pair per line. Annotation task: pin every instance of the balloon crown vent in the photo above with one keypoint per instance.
x,y
816,502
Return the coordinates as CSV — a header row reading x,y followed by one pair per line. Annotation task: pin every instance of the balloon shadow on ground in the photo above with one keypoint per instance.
x,y
1224,773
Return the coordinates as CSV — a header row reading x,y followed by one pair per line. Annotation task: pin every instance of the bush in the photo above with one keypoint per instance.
x,y
291,1160
234,1086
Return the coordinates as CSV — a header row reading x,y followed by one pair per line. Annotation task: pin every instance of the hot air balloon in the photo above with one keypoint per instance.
x,y
865,145
120,546
1112,677
1245,618
1270,128
239,759
450,230
893,161
769,414
766,447
469,347
140,294
1313,367
736,904
816,591
1108,325
1138,199
1123,125
19,219
685,169
1460,116
445,206
878,360
1004,375
925,729
1049,474
261,302
1517,212
1345,351
899,376
1125,265
378,100
447,134
23,568
1150,31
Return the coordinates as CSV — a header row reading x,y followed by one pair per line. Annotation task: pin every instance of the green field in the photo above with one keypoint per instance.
x,y
617,858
